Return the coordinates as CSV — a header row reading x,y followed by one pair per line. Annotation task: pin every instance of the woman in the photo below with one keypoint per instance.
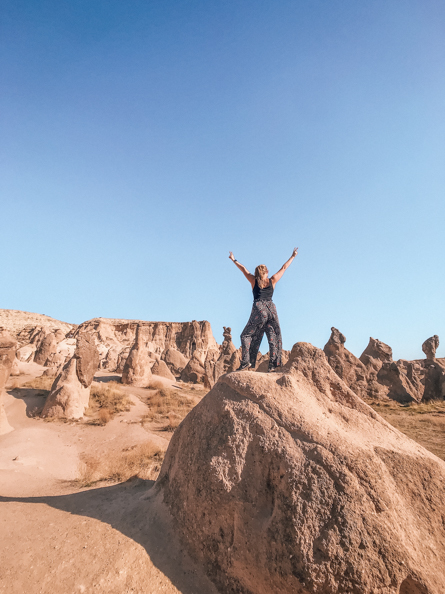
x,y
264,317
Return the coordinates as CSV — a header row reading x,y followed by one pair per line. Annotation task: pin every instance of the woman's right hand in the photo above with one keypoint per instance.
x,y
295,252
231,256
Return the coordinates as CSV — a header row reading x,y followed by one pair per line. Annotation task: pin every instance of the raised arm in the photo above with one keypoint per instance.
x,y
276,277
243,269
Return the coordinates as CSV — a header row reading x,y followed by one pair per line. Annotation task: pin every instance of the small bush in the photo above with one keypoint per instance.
x,y
104,416
112,398
155,385
143,460
170,407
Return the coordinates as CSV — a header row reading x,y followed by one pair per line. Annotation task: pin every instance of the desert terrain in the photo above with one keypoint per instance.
x,y
80,510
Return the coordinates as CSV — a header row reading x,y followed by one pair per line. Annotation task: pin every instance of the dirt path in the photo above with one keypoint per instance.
x,y
57,539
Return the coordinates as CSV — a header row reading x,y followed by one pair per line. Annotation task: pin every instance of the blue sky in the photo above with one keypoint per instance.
x,y
143,140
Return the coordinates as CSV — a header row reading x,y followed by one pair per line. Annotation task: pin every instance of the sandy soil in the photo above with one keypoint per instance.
x,y
57,539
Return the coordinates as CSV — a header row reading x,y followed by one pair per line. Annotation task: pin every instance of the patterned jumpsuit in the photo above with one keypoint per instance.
x,y
263,319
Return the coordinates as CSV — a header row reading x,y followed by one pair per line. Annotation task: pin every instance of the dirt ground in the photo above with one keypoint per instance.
x,y
59,539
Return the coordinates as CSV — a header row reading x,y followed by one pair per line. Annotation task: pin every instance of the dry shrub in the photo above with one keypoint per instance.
x,y
104,416
143,460
155,385
169,406
109,397
40,383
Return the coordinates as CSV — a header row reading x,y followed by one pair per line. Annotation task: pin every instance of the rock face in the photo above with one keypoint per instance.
x,y
116,335
430,347
137,368
224,360
8,346
291,483
70,392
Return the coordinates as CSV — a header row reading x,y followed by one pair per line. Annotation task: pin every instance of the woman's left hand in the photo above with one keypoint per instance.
x,y
295,252
231,256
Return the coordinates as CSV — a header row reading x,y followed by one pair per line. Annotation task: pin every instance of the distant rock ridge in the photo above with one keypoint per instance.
x,y
375,375
290,483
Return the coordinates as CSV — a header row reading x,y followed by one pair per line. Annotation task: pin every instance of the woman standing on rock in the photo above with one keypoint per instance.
x,y
264,317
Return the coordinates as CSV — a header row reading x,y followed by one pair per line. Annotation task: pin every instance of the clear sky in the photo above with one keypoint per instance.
x,y
142,140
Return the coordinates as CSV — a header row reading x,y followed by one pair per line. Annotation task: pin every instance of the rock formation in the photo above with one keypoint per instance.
x,y
175,361
137,368
116,335
194,371
70,392
161,369
346,365
291,483
224,360
401,381
430,346
48,346
8,346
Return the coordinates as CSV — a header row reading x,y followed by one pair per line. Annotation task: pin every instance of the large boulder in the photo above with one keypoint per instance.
x,y
161,369
291,483
47,349
175,361
8,346
137,368
70,392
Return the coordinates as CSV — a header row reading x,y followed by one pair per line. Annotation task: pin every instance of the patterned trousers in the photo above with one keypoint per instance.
x,y
263,319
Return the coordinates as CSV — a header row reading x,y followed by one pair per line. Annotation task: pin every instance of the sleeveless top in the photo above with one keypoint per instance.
x,y
262,294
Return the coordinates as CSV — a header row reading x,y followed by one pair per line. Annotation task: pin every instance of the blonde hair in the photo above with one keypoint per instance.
x,y
261,276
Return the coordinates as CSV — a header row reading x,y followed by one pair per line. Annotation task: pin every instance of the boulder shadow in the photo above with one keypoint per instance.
x,y
33,398
133,509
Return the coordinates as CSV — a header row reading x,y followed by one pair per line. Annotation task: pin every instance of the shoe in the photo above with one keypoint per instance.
x,y
274,369
244,366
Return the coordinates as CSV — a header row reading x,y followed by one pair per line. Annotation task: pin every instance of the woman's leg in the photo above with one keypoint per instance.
x,y
255,345
273,333
256,322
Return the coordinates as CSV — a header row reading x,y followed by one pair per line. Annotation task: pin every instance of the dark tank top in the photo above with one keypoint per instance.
x,y
262,294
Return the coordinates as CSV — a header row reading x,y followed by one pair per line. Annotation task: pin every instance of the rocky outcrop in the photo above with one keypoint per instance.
x,y
402,381
137,368
8,346
161,369
48,347
430,346
70,392
346,365
194,371
175,361
291,483
221,361
121,359
115,335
